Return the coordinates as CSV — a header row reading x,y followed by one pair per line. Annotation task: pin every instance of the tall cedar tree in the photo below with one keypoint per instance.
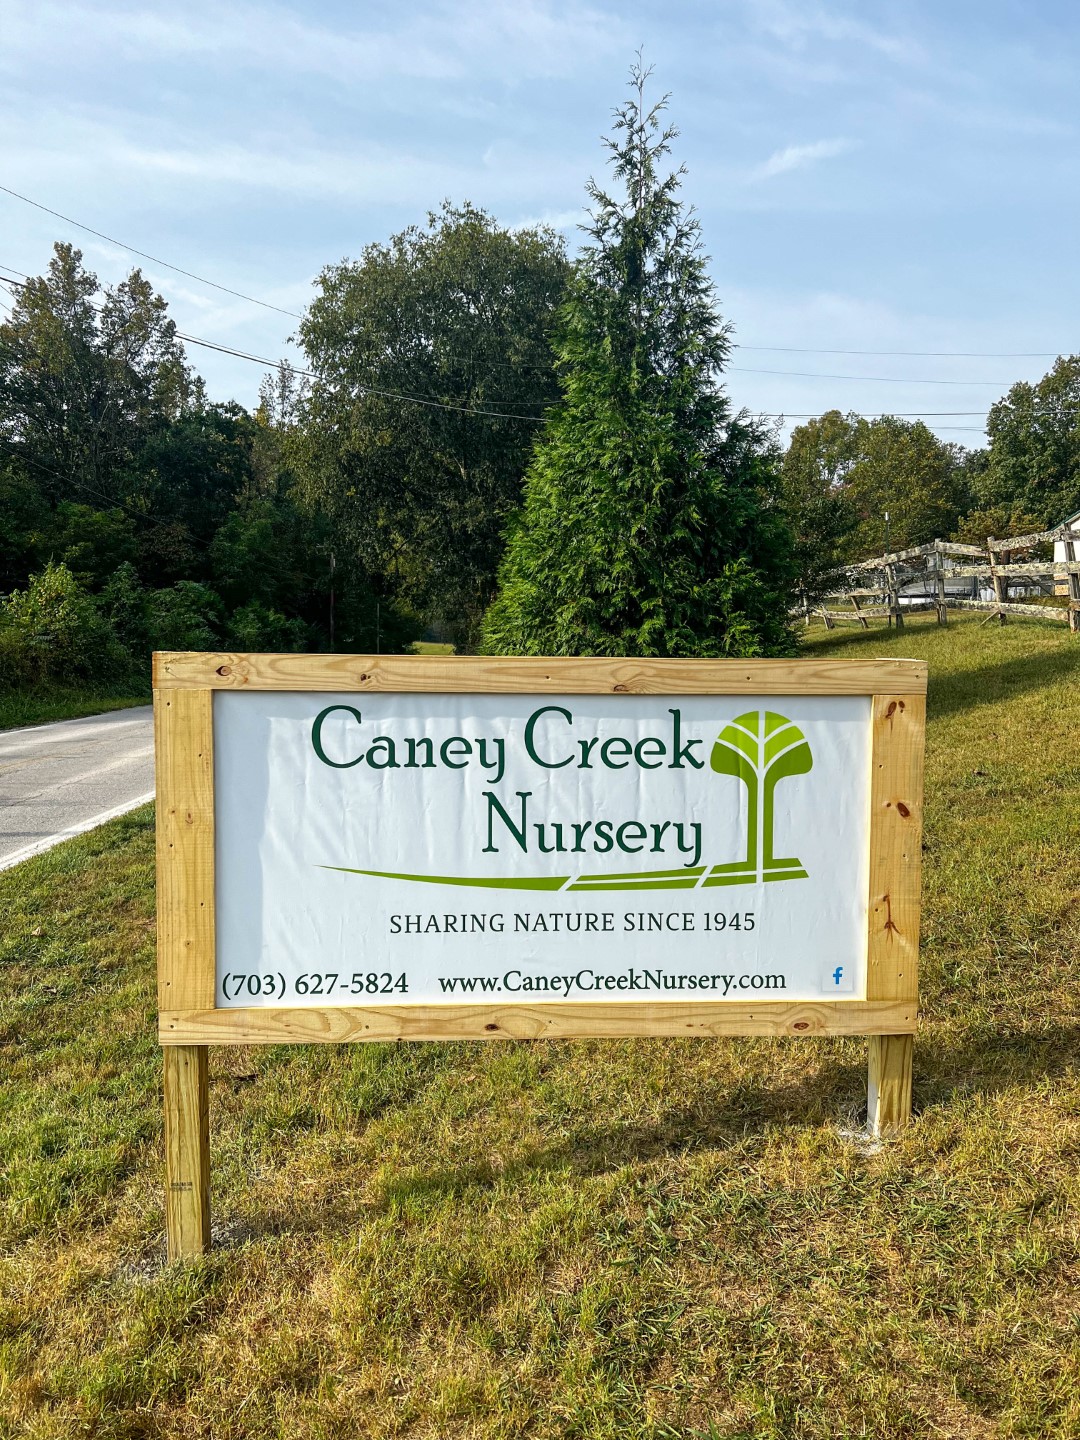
x,y
648,526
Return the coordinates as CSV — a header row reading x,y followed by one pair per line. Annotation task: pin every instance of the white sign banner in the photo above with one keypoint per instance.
x,y
391,849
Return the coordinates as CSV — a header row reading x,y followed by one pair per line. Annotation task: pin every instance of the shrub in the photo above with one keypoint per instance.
x,y
124,602
186,616
54,631
258,627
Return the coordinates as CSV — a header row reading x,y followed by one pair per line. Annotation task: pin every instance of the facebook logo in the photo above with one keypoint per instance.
x,y
840,980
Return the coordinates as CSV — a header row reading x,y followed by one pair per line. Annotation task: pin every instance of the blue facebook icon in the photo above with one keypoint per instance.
x,y
841,980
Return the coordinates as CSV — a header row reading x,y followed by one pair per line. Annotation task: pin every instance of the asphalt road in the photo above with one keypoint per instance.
x,y
59,780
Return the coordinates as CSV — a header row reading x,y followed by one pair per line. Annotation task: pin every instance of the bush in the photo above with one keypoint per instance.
x,y
54,631
186,616
258,627
124,602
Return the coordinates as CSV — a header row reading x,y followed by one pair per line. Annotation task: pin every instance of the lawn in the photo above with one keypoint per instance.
x,y
578,1239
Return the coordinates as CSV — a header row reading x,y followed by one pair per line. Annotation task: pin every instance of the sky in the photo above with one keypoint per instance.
x,y
872,176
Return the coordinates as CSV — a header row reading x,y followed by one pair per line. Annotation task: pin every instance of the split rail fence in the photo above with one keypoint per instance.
x,y
886,581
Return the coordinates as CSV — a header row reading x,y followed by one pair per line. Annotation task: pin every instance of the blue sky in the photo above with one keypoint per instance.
x,y
869,176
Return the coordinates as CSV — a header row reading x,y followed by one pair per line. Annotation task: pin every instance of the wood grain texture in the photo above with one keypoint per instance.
x,y
308,1025
187,1151
896,808
888,1091
996,607
468,674
184,761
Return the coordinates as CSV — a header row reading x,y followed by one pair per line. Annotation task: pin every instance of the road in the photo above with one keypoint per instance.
x,y
62,779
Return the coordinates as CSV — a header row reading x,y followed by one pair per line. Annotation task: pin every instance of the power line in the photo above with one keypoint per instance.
x,y
876,379
537,419
877,415
773,349
311,375
916,354
145,256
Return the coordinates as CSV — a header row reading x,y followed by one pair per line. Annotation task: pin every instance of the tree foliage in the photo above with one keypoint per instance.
x,y
647,527
136,513
844,473
457,315
818,501
1034,456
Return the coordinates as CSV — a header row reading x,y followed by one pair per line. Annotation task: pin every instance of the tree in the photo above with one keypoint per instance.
x,y
648,525
455,315
902,468
83,384
1034,459
997,521
817,500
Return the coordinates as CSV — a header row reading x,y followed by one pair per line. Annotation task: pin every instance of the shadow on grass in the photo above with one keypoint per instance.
x,y
983,685
711,1122
1002,681
986,1062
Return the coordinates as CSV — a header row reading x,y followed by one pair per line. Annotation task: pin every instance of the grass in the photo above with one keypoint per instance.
x,y
628,1240
62,702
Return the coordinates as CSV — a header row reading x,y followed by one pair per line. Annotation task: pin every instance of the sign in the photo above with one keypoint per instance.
x,y
437,848
367,848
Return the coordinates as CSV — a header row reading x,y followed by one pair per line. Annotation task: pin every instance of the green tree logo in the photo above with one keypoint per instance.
x,y
760,749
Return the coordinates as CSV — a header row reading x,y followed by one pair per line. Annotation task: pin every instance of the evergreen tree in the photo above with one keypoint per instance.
x,y
649,524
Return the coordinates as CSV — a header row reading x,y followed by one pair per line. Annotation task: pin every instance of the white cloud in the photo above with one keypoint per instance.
x,y
797,157
455,40
799,24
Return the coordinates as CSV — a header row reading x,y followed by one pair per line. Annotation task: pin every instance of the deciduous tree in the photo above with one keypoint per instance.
x,y
1034,459
433,373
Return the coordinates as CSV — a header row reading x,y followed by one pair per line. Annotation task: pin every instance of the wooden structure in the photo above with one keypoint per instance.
x,y
189,1021
926,563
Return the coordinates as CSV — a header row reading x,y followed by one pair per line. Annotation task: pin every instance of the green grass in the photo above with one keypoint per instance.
x,y
58,702
631,1240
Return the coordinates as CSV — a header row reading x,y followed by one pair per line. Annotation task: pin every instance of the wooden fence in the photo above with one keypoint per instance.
x,y
885,577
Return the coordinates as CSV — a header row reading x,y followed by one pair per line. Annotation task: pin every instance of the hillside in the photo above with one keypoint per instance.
x,y
615,1240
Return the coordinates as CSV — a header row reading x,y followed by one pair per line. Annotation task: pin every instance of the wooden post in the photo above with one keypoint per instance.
x,y
894,598
184,750
896,787
1074,585
888,1088
939,586
855,606
1001,589
187,1151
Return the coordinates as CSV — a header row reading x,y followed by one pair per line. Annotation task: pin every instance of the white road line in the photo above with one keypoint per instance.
x,y
39,846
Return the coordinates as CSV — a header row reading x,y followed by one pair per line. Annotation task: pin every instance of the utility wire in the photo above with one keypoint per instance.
x,y
501,414
917,354
311,375
875,379
145,256
774,349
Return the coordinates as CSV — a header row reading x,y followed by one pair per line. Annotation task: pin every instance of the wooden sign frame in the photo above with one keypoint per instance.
x,y
184,686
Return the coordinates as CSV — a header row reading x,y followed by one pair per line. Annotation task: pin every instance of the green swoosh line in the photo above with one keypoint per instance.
x,y
646,880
